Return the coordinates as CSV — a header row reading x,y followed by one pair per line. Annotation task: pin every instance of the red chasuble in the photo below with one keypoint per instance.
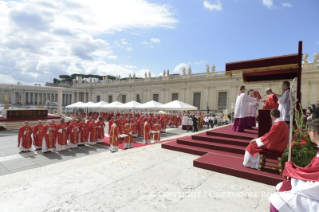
x,y
100,130
62,137
84,132
74,133
49,138
127,129
37,140
114,133
26,138
157,136
110,125
178,121
93,131
147,135
276,139
55,131
271,102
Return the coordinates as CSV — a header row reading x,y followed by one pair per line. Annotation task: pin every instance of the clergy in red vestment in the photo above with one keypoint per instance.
x,y
92,132
24,137
272,100
157,131
147,133
114,137
47,136
275,140
83,133
111,121
73,131
53,125
301,191
139,127
62,136
128,130
37,140
100,130
134,125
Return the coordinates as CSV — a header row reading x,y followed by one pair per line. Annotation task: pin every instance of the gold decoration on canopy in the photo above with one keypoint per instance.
x,y
263,69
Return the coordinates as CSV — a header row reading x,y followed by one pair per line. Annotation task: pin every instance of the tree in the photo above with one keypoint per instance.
x,y
56,81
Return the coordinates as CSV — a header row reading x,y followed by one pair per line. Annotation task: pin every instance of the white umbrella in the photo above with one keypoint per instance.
x,y
130,105
178,105
74,105
85,105
151,105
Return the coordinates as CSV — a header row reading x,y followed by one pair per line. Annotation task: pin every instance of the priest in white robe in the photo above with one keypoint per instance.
x,y
251,113
241,110
301,192
284,102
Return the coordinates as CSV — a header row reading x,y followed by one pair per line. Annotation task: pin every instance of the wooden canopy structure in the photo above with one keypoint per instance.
x,y
272,68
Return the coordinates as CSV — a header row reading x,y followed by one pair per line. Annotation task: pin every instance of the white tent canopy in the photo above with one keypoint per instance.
x,y
113,105
74,105
99,104
178,105
151,105
130,105
85,105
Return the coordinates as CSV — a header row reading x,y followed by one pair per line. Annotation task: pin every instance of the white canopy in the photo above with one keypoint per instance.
x,y
130,105
113,105
151,105
85,105
178,105
74,105
99,104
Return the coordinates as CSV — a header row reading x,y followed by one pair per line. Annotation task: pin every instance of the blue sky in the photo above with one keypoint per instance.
x,y
43,39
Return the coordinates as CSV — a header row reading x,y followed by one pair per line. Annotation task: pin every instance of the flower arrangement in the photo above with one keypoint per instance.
x,y
302,149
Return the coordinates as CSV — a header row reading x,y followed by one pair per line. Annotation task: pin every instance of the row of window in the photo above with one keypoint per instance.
x,y
222,99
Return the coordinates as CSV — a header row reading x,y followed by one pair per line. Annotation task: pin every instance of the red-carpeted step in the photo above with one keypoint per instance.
x,y
196,150
215,146
229,133
223,140
233,166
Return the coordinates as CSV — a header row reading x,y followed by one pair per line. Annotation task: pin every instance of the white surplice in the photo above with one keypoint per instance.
x,y
242,103
284,105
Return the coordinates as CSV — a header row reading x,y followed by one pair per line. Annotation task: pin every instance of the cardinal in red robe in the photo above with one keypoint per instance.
x,y
272,100
128,130
53,125
300,191
92,132
157,131
110,124
37,140
147,133
83,133
73,131
47,136
24,137
275,140
114,137
62,136
100,130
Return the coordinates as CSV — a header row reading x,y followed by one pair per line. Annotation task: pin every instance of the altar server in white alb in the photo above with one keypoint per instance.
x,y
284,102
241,110
301,192
251,113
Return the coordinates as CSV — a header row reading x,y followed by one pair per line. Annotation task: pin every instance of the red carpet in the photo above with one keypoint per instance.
x,y
135,144
222,150
30,119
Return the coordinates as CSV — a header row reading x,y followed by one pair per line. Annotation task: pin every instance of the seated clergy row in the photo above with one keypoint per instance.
x,y
59,137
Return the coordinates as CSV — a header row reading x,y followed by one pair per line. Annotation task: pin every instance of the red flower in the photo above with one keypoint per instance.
x,y
296,130
306,136
303,142
292,144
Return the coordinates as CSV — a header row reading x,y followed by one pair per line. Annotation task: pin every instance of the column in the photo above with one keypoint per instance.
x,y
73,100
89,96
59,100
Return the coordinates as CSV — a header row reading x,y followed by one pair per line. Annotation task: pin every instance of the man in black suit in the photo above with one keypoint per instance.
x,y
195,124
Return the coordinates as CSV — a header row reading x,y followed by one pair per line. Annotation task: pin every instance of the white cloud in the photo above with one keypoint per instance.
x,y
129,49
217,6
155,40
268,3
112,57
130,66
287,5
145,42
179,68
44,39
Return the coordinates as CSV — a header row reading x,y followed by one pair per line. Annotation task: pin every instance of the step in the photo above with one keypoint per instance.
x,y
215,146
173,145
227,164
240,136
223,140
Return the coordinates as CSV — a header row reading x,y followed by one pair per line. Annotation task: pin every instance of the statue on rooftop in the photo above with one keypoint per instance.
x,y
213,68
305,58
315,57
134,76
167,72
149,74
189,70
164,73
184,71
207,68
